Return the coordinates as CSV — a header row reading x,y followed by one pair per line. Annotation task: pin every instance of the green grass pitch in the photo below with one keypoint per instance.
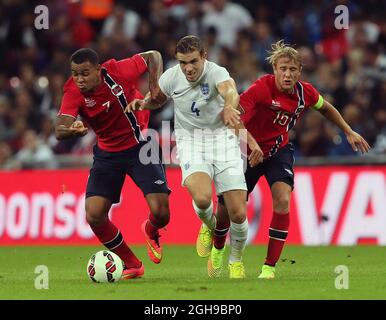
x,y
302,273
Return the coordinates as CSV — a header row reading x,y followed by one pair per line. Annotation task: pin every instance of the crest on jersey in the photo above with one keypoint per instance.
x,y
204,88
89,102
275,105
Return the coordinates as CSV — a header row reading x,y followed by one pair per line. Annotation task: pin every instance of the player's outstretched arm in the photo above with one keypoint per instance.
x,y
155,67
227,89
66,127
146,103
256,156
356,141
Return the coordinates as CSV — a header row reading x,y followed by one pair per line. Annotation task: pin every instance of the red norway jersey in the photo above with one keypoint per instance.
x,y
101,109
270,113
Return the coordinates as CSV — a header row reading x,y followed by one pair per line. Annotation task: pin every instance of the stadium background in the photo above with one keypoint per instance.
x,y
339,197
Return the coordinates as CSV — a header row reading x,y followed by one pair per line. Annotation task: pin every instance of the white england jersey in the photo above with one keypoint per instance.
x,y
197,105
204,143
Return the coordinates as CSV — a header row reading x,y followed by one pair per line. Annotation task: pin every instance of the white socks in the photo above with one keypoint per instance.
x,y
238,240
206,215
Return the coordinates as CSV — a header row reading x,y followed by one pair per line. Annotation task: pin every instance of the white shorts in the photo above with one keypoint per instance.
x,y
219,157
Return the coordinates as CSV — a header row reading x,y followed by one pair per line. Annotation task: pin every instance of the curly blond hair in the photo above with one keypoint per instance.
x,y
280,50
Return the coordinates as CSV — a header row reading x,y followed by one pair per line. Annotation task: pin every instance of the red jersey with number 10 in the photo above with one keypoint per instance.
x,y
101,110
270,113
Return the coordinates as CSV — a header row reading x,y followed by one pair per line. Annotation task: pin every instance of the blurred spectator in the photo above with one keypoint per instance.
x,y
121,21
211,45
380,139
34,153
5,119
352,114
363,31
301,25
263,39
313,137
52,96
158,13
96,11
310,64
81,30
228,19
245,59
6,160
169,54
47,133
193,18
144,36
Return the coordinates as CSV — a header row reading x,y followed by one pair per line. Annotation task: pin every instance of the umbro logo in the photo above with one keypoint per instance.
x,y
275,105
159,182
89,102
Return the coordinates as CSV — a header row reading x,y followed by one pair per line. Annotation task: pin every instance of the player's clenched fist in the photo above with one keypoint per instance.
x,y
256,155
78,128
231,117
157,95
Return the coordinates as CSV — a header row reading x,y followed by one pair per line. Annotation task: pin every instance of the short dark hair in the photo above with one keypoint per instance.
x,y
189,44
83,55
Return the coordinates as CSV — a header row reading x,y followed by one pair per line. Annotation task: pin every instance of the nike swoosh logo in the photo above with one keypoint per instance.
x,y
289,171
157,255
177,93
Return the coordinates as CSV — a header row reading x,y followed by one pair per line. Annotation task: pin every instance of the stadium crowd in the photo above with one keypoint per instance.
x,y
348,66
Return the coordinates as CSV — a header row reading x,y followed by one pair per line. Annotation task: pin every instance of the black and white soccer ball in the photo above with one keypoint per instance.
x,y
105,266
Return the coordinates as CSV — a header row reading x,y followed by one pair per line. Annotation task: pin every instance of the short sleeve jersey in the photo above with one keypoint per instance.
x,y
101,110
197,105
269,114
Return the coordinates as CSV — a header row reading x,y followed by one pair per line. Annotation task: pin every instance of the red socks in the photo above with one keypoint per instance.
x,y
220,234
112,239
278,231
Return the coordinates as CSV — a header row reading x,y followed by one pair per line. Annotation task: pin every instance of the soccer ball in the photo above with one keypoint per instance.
x,y
105,266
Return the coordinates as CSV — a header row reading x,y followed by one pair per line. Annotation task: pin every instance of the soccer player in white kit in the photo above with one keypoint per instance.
x,y
205,103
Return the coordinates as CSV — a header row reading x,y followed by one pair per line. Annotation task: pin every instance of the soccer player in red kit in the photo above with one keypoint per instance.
x,y
272,105
99,94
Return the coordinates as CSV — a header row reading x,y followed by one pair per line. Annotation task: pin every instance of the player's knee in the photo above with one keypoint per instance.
x,y
94,216
94,220
281,203
237,216
202,201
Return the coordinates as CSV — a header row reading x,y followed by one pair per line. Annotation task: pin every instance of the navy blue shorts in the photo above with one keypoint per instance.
x,y
109,170
279,167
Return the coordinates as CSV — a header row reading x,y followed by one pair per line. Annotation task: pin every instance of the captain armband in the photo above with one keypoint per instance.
x,y
318,104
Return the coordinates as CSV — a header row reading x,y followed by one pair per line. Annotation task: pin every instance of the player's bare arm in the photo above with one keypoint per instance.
x,y
256,155
68,127
231,115
356,141
155,66
146,103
